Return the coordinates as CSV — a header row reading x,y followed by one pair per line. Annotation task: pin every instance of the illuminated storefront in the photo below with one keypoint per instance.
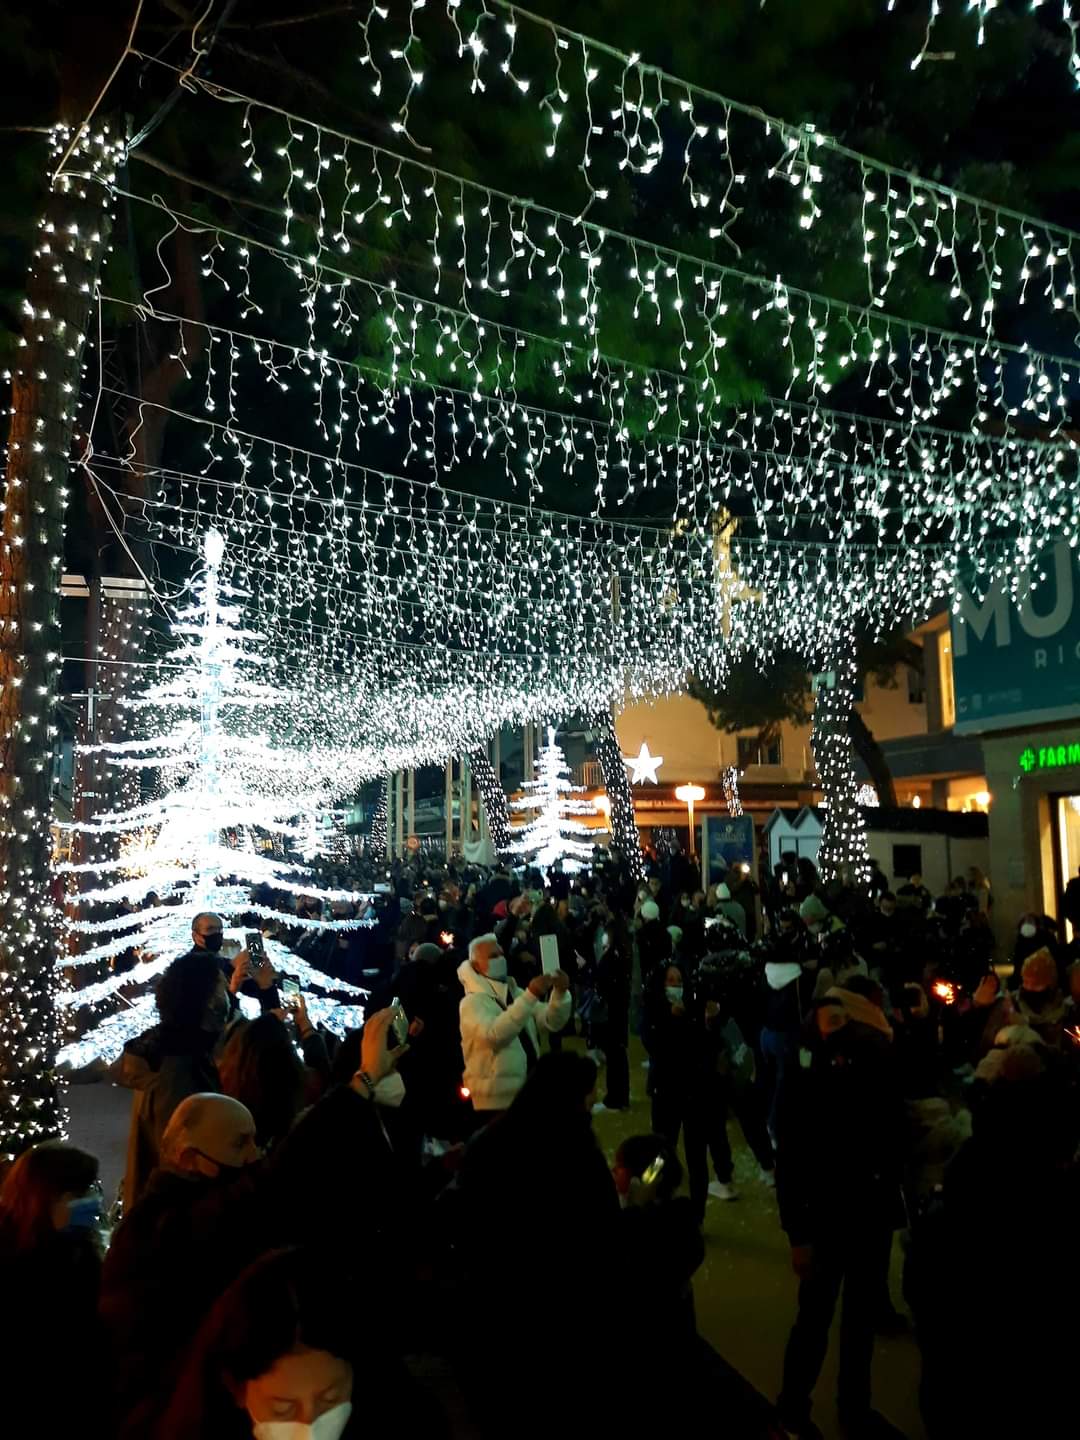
x,y
1016,670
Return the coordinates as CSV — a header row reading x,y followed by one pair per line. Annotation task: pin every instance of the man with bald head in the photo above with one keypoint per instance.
x,y
194,1229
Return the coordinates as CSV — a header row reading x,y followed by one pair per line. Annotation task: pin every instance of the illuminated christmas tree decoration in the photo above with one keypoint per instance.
x,y
554,838
190,848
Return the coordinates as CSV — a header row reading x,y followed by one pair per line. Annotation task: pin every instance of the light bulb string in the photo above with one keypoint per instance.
x,y
808,462
786,128
513,337
615,657
879,317
425,513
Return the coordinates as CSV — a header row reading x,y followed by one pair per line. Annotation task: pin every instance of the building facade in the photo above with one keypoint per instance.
x,y
990,724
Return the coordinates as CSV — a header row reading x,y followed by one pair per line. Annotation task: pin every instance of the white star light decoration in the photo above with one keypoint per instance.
x,y
643,766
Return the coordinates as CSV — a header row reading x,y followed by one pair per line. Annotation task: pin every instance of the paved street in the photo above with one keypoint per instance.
x,y
745,1291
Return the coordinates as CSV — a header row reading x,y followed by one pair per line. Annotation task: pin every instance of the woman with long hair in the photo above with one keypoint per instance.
x,y
285,1353
50,1271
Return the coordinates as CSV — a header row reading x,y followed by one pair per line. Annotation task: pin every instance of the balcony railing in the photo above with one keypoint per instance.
x,y
589,774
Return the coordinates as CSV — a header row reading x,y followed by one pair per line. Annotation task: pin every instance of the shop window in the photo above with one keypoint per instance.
x,y
945,679
906,861
753,751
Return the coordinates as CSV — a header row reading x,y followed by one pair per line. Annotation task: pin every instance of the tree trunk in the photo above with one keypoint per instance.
x,y
873,757
621,819
843,854
378,841
490,787
45,391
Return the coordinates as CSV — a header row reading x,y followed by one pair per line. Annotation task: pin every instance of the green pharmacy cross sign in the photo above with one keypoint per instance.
x,y
1050,757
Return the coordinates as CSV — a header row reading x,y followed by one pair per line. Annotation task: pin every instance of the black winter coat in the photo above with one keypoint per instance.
x,y
172,1255
841,1140
56,1378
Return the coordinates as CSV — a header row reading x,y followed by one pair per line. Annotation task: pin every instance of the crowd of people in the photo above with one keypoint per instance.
x,y
417,1225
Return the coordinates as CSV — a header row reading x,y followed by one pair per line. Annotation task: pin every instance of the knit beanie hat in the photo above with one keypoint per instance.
x,y
1040,971
650,910
813,911
723,892
429,953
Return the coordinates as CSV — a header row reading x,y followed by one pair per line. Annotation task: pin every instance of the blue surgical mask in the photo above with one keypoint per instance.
x,y
673,993
84,1214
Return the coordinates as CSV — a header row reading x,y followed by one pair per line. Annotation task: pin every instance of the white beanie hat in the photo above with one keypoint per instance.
x,y
722,892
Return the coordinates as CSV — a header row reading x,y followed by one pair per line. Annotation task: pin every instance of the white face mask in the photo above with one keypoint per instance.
x,y
496,967
329,1426
1027,929
390,1090
673,993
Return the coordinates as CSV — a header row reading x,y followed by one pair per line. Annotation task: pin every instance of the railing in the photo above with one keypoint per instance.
x,y
589,774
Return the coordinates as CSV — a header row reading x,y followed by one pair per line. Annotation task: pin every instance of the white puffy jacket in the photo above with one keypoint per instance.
x,y
493,1015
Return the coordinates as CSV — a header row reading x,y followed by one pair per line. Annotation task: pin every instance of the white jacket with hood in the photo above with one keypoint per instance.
x,y
493,1015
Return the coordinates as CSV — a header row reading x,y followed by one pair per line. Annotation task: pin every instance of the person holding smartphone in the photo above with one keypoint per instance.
x,y
253,975
501,1024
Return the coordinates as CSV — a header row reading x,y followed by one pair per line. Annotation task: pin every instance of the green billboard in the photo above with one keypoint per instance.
x,y
1017,663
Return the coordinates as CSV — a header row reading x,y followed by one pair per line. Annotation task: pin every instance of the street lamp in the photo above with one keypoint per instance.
x,y
689,794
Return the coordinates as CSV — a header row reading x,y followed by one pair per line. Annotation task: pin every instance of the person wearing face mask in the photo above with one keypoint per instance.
x,y
501,1024
195,1227
667,1033
175,1058
1039,1003
346,1173
841,1141
729,907
282,1357
794,978
50,1264
1035,932
538,1159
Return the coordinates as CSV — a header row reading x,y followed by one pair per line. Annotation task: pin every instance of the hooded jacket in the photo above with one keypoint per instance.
x,y
493,1014
162,1067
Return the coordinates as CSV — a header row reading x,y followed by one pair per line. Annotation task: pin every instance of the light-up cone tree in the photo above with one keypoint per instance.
x,y
191,843
621,819
555,835
843,835
494,797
